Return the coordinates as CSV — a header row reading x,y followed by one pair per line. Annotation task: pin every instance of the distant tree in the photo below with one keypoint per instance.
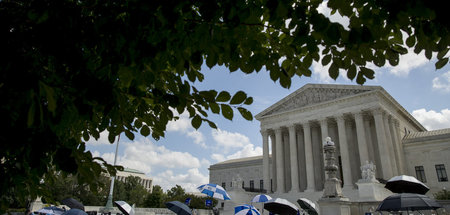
x,y
176,192
130,191
63,186
73,69
156,198
442,195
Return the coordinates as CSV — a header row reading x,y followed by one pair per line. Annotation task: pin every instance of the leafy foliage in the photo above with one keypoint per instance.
x,y
73,69
67,186
442,195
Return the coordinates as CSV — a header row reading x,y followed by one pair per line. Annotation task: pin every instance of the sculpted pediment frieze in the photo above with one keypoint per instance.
x,y
312,96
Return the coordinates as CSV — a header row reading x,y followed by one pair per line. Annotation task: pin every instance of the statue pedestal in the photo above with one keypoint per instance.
x,y
371,191
335,206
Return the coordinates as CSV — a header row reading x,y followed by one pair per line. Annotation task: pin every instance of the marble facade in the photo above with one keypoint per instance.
x,y
367,126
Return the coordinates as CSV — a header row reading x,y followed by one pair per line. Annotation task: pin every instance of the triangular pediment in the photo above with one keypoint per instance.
x,y
311,94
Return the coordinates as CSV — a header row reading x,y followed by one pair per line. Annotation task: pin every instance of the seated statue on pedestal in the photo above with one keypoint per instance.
x,y
368,172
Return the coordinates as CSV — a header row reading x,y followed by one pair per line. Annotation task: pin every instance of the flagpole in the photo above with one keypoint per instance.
x,y
109,204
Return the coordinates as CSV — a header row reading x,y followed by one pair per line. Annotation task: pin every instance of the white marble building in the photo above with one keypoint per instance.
x,y
366,124
144,180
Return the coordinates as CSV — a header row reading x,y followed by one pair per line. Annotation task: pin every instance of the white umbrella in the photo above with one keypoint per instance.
x,y
308,206
406,184
281,206
124,207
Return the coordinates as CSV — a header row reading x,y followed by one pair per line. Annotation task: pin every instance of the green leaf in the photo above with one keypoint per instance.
x,y
248,101
238,98
441,63
196,121
214,108
442,53
333,71
212,124
111,137
369,73
129,134
86,136
326,60
245,113
351,73
145,131
411,41
50,95
223,96
227,112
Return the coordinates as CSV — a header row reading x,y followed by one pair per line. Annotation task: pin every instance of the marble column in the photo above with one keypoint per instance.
x,y
309,163
383,149
266,170
273,186
390,144
310,184
345,155
401,157
361,137
279,161
294,161
324,131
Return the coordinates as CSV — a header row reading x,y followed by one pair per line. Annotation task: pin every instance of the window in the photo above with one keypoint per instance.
x,y
252,184
440,171
420,174
261,184
223,185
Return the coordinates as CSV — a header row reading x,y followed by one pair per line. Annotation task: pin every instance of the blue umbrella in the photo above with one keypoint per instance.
x,y
246,210
261,198
215,191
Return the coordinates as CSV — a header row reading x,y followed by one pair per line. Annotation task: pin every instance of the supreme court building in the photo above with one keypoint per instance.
x,y
366,124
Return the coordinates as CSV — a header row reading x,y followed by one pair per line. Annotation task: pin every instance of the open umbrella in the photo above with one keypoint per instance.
x,y
178,208
246,210
281,206
214,191
52,210
73,203
74,211
406,184
124,207
308,206
261,198
408,202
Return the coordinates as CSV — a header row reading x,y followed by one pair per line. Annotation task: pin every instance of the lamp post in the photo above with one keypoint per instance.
x,y
109,204
332,184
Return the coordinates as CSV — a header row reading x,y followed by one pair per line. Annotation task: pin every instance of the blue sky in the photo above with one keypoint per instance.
x,y
184,155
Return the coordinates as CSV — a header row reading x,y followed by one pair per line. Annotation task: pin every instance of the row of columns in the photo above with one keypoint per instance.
x,y
388,149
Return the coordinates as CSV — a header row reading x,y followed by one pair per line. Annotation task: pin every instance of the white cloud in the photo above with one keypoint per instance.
x,y
235,143
442,83
407,63
325,10
189,180
144,155
102,140
183,126
433,120
228,140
